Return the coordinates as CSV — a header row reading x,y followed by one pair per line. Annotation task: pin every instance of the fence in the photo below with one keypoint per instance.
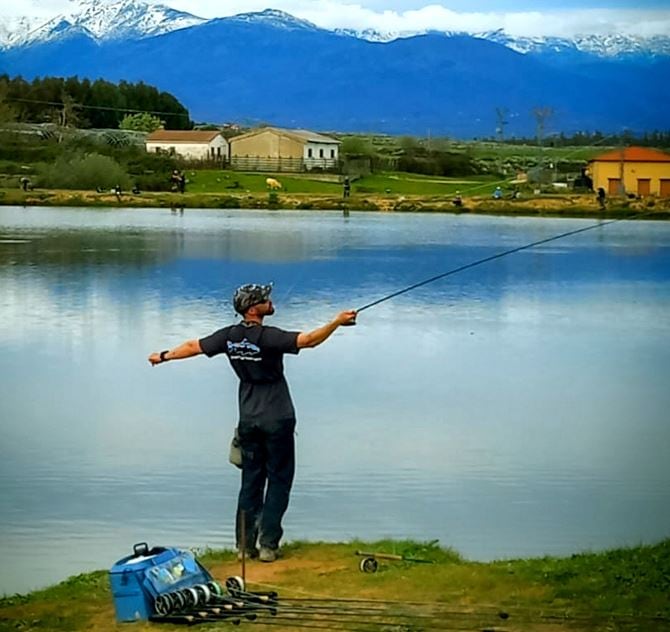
x,y
279,164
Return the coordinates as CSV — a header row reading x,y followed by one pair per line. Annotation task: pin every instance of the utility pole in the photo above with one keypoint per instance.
x,y
541,116
501,114
622,163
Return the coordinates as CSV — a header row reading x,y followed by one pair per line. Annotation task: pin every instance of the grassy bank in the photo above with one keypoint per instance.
x,y
568,205
389,191
385,191
623,589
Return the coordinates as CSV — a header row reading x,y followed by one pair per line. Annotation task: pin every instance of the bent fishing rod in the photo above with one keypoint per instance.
x,y
498,255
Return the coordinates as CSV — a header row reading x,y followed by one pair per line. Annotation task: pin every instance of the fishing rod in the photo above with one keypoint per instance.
x,y
498,255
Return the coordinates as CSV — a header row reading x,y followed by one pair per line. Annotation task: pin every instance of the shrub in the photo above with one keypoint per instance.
x,y
273,199
229,201
438,163
87,171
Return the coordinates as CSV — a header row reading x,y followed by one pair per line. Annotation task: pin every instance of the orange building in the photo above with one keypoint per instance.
x,y
636,170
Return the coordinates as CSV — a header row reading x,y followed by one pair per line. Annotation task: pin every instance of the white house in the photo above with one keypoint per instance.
x,y
192,144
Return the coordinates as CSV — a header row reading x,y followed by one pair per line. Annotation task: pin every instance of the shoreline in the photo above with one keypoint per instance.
x,y
566,205
615,589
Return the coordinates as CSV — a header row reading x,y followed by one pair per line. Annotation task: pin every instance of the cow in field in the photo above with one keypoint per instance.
x,y
273,184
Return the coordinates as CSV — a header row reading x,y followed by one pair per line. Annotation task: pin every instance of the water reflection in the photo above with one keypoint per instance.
x,y
516,409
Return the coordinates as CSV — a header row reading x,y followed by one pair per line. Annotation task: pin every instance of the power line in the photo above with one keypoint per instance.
x,y
96,107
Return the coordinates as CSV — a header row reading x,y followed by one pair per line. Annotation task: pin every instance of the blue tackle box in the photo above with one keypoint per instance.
x,y
138,579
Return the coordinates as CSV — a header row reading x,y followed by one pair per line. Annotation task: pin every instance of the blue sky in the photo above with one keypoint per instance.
x,y
517,17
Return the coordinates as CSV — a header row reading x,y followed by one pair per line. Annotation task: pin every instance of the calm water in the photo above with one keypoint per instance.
x,y
519,408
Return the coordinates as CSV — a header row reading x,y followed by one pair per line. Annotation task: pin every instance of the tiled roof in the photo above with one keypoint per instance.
x,y
182,136
303,135
633,154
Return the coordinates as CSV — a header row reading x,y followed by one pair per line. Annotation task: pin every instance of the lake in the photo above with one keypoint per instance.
x,y
519,408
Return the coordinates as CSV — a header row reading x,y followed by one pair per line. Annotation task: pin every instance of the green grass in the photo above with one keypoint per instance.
x,y
487,150
624,581
496,151
219,181
392,183
399,183
617,590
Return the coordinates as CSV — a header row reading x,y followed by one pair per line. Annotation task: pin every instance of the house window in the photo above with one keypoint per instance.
x,y
309,152
158,150
218,152
320,153
332,153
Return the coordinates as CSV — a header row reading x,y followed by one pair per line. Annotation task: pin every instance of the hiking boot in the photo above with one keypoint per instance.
x,y
267,555
250,554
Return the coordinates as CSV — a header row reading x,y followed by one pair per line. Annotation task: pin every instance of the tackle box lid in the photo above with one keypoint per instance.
x,y
143,557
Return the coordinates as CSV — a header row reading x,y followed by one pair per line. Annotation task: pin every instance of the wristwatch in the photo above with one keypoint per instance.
x,y
163,354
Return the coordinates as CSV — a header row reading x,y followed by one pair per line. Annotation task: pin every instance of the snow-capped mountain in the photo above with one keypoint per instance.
x,y
328,80
604,46
121,19
12,29
371,35
137,19
275,18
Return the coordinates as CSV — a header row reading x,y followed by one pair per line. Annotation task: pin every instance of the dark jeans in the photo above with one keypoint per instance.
x,y
268,466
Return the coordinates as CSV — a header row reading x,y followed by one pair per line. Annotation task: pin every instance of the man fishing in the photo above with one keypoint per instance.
x,y
266,413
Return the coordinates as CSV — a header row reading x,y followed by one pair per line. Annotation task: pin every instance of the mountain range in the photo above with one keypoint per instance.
x,y
273,67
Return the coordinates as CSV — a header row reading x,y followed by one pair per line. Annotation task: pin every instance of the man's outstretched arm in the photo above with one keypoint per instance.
x,y
317,336
187,349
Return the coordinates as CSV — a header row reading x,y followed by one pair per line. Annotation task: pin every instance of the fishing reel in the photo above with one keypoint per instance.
x,y
368,565
187,598
235,585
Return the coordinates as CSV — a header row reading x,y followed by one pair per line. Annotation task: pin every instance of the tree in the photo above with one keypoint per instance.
x,y
68,115
7,111
409,144
140,122
356,146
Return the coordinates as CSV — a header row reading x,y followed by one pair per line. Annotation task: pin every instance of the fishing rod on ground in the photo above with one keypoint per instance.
x,y
437,616
391,610
437,620
348,612
324,609
498,255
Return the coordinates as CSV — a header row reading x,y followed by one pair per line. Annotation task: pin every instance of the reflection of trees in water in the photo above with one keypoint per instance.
x,y
249,245
148,247
87,248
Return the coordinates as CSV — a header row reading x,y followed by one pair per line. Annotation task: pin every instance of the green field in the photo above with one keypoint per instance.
x,y
485,150
390,183
497,151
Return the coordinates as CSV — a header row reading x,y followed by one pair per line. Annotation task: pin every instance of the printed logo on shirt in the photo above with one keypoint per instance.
x,y
244,350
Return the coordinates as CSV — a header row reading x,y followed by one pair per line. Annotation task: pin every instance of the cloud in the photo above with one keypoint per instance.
x,y
332,14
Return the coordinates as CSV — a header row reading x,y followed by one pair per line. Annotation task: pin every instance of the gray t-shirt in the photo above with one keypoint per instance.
x,y
256,355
